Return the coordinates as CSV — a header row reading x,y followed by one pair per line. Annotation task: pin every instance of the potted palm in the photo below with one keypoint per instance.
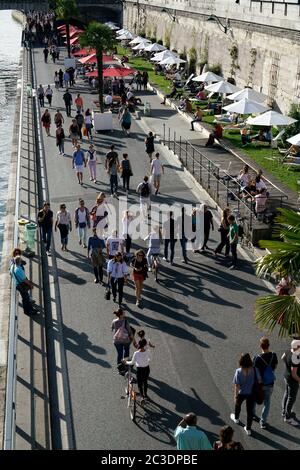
x,y
66,10
101,38
283,259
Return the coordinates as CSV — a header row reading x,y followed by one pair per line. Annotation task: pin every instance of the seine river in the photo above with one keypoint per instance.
x,y
10,45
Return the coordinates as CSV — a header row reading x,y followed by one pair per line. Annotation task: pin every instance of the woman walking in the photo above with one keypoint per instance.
x,y
79,103
139,274
226,441
141,359
82,222
126,121
60,139
126,233
145,79
122,335
91,158
99,213
95,254
46,120
126,172
243,381
74,132
56,80
88,124
64,224
49,94
117,271
224,231
149,142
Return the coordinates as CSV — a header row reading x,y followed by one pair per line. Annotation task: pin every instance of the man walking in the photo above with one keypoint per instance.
x,y
208,223
233,240
144,190
188,437
45,221
111,167
169,237
265,364
291,359
78,163
156,169
67,97
41,96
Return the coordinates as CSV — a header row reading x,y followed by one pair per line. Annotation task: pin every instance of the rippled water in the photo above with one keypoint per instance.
x,y
10,43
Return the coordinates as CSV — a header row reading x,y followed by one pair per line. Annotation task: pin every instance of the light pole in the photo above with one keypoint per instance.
x,y
223,27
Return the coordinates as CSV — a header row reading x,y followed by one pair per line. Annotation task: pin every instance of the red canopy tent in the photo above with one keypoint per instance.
x,y
112,72
84,52
73,40
91,59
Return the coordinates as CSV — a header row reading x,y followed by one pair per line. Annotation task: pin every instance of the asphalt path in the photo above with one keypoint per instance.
x,y
200,316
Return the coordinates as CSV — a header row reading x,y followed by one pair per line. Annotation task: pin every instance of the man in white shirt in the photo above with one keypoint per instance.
x,y
145,189
153,245
108,100
157,169
114,244
129,95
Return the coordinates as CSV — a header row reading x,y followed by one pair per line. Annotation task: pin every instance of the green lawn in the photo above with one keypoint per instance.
x,y
267,158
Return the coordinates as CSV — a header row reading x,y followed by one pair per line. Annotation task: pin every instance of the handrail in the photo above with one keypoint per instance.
x,y
10,402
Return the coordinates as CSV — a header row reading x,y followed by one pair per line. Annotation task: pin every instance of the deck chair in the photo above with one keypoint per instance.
x,y
278,138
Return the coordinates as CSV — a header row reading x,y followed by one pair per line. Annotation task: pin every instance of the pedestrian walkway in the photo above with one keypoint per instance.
x,y
194,316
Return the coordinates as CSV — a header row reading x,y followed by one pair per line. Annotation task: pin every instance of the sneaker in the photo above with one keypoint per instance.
x,y
48,253
291,421
232,267
96,281
149,270
165,259
91,179
247,431
263,425
84,246
95,181
232,417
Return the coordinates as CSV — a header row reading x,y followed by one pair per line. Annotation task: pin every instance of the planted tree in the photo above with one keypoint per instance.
x,y
66,10
283,260
101,38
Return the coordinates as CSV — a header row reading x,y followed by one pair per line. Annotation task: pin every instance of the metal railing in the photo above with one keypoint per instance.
x,y
222,189
11,379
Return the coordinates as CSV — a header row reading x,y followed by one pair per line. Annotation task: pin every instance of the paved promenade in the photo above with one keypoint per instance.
x,y
200,317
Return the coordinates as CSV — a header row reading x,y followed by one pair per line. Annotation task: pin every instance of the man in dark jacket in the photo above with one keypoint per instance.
x,y
67,97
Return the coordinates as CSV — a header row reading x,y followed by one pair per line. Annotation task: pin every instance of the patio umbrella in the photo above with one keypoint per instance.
x,y
249,94
271,118
141,45
111,25
295,140
172,61
222,87
163,55
124,36
246,107
73,33
155,47
137,40
116,72
122,31
73,40
83,52
91,59
208,77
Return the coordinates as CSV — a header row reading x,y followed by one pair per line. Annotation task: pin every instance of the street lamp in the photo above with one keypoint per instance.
x,y
166,10
223,28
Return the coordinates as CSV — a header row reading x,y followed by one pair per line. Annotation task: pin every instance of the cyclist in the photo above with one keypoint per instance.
x,y
141,359
153,245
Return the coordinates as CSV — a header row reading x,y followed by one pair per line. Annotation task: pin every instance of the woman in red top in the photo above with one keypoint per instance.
x,y
79,103
46,120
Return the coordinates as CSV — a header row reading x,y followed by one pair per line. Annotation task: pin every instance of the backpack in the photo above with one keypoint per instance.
x,y
268,375
121,335
145,190
125,165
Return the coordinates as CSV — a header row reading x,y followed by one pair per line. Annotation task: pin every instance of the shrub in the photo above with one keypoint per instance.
x,y
293,129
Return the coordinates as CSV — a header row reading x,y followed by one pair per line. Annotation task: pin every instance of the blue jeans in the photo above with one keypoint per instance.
x,y
183,242
113,183
61,147
122,350
46,236
289,397
268,390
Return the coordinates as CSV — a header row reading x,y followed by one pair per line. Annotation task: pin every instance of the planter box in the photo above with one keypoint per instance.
x,y
102,121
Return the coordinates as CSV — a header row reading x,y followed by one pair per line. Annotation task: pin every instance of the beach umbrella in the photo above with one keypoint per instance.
x,y
249,94
116,72
295,140
83,52
163,55
222,87
208,77
122,31
172,61
91,59
137,40
155,47
245,106
141,45
271,118
124,36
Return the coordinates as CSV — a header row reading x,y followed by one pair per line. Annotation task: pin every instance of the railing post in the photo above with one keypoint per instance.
x,y
164,138
174,142
193,156
218,183
208,176
227,192
169,138
180,148
186,153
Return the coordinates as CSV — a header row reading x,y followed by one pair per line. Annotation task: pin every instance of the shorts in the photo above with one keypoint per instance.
x,y
156,178
79,168
74,136
138,276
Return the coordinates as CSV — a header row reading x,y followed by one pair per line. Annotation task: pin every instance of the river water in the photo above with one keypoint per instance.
x,y
10,45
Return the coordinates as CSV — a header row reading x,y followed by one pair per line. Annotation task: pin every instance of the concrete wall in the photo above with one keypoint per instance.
x,y
267,58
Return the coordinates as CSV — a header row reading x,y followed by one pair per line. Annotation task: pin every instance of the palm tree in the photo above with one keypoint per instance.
x,y
101,38
66,10
284,261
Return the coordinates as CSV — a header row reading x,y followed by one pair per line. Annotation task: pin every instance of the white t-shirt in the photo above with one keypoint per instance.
x,y
117,270
140,359
156,167
48,92
129,95
126,225
114,245
88,119
81,216
108,100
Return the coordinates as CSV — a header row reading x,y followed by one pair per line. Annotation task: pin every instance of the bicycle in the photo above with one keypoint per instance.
x,y
154,265
131,394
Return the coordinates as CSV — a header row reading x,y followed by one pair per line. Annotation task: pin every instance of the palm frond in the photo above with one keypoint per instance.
x,y
289,219
281,311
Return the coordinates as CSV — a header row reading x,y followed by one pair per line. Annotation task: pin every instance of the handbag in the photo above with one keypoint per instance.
x,y
258,392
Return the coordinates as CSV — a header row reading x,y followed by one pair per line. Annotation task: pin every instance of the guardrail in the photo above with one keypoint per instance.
x,y
221,186
11,379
